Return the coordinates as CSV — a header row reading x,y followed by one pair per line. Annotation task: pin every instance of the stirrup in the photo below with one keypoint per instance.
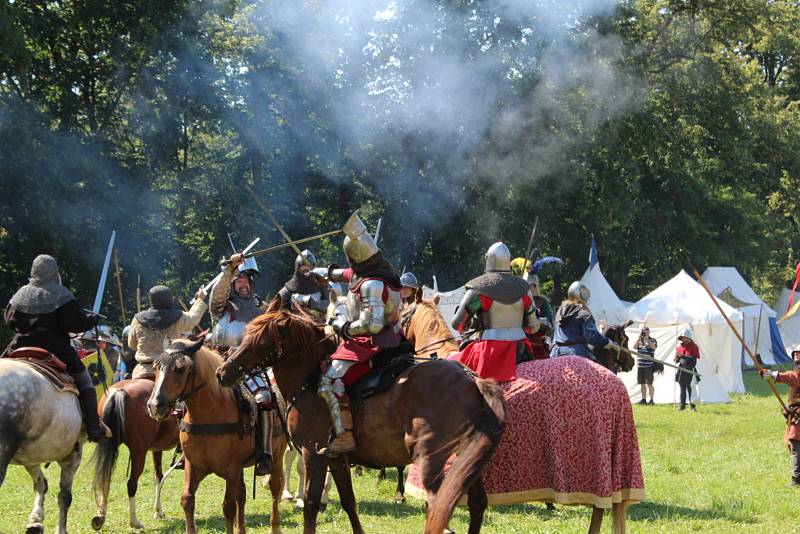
x,y
98,434
341,444
263,464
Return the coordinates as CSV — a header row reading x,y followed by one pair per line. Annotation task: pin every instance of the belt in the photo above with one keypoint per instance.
x,y
503,334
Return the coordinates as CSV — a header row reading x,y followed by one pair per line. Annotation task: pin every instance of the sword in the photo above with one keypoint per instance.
x,y
98,297
377,231
282,246
649,358
247,249
275,223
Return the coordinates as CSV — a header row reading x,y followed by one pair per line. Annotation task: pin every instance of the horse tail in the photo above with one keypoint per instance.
x,y
482,439
106,453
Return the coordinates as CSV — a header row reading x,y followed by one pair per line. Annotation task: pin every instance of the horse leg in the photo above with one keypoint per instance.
x,y
229,502
138,459
69,466
341,475
620,511
276,483
477,501
157,468
323,503
36,519
381,475
400,492
191,479
300,496
288,459
241,498
315,466
597,520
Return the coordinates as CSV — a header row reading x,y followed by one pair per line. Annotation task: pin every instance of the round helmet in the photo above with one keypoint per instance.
x,y
306,257
579,292
532,279
498,258
409,280
125,332
249,267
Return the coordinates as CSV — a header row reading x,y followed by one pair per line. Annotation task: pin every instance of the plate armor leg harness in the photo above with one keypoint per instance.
x,y
332,390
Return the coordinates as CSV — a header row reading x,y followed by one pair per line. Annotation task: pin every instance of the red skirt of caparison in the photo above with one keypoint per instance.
x,y
490,359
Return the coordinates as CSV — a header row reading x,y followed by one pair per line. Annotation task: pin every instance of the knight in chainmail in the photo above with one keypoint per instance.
x,y
304,288
233,305
42,314
504,308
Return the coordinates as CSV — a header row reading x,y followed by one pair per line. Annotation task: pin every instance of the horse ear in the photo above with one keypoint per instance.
x,y
436,298
418,296
627,323
274,304
193,347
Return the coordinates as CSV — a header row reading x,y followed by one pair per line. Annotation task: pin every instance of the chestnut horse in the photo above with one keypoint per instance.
x,y
427,329
123,409
216,436
431,412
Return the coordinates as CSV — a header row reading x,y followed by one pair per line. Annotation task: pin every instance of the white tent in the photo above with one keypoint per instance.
x,y
667,310
726,282
603,302
790,328
448,301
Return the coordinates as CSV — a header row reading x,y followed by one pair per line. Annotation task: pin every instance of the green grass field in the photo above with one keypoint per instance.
x,y
723,469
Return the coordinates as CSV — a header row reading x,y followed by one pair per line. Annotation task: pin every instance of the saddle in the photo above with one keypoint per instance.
x,y
47,364
387,365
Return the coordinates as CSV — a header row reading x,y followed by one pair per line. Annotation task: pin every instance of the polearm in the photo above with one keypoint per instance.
x,y
282,246
756,361
138,293
276,224
649,358
378,231
119,288
529,250
214,280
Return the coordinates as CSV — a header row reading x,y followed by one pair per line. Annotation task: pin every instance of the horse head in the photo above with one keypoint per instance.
x,y
174,375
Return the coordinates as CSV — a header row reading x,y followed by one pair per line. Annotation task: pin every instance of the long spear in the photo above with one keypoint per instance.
x,y
138,293
647,357
282,246
529,250
119,288
275,223
753,357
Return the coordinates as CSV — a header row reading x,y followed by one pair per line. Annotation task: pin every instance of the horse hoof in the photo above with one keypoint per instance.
x,y
98,521
400,500
287,497
35,528
448,531
299,504
159,515
137,525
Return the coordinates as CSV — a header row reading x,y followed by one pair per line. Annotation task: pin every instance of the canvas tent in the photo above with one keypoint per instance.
x,y
789,328
667,310
603,302
730,287
448,301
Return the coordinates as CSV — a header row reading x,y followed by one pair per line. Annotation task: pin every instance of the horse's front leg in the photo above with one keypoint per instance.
x,y
69,466
191,479
159,473
400,492
275,486
344,483
315,466
36,519
229,503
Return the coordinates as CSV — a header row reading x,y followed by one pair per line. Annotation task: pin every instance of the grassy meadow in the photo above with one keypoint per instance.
x,y
723,469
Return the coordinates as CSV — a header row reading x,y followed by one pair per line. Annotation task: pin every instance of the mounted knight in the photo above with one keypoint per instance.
x,y
233,305
502,306
371,324
42,314
305,288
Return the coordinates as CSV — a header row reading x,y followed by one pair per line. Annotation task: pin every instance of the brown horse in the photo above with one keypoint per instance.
x,y
424,325
431,412
216,436
123,409
615,361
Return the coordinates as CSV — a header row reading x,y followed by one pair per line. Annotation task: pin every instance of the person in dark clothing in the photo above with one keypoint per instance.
x,y
42,314
575,328
686,356
646,368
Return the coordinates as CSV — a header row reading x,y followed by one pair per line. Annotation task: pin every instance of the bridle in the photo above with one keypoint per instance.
x,y
277,354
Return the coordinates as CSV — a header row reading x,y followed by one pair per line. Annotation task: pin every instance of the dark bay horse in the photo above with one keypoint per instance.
x,y
431,412
613,361
123,409
216,436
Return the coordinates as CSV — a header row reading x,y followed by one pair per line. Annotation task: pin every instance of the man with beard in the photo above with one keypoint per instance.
x,y
792,434
304,288
233,305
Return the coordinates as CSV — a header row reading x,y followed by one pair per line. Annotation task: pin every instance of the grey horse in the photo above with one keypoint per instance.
x,y
39,424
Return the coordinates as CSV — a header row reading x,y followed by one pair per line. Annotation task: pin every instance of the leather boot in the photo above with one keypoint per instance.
x,y
263,443
344,442
96,430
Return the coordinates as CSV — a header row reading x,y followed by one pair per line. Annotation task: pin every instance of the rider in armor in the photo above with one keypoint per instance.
x,y
153,328
42,314
233,305
409,288
370,325
575,328
504,307
545,313
305,289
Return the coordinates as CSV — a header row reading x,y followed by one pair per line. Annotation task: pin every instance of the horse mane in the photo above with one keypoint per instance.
x,y
433,320
289,325
204,364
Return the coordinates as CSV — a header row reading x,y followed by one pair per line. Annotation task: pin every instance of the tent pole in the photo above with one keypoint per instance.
x,y
753,357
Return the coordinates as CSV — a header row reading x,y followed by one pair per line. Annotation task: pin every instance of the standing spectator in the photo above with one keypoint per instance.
x,y
792,434
646,368
686,357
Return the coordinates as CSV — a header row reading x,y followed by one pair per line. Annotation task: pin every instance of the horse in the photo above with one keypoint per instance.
x,y
615,361
299,496
215,435
123,409
423,322
39,424
430,412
